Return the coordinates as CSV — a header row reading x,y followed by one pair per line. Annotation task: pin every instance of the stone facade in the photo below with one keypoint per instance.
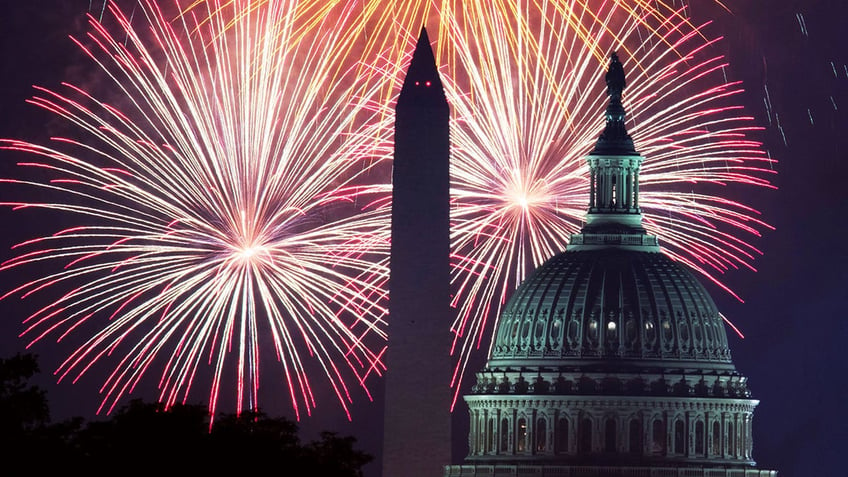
x,y
622,429
597,471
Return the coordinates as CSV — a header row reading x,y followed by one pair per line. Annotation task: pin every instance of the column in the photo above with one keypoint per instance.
x,y
592,186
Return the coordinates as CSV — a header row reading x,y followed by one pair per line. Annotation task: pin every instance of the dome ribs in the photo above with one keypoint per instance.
x,y
623,308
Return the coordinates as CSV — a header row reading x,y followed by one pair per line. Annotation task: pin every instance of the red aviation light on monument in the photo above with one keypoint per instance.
x,y
417,433
422,84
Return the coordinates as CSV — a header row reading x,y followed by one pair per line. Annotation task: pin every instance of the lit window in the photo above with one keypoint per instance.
x,y
521,439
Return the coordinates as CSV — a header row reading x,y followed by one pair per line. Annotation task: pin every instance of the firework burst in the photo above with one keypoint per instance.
x,y
523,82
222,189
221,202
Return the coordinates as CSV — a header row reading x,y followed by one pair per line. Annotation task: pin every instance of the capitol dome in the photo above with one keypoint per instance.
x,y
611,359
611,310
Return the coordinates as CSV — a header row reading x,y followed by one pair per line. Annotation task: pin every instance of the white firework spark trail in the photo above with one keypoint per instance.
x,y
222,204
524,82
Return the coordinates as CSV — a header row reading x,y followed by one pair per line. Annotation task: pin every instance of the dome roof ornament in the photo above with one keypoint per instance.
x,y
614,140
614,218
615,78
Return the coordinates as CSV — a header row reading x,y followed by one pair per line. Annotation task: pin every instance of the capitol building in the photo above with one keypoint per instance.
x,y
611,359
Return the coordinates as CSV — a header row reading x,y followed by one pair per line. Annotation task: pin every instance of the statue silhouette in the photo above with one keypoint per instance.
x,y
615,78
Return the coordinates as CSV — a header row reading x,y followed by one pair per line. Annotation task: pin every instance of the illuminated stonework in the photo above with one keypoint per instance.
x,y
637,307
623,429
611,360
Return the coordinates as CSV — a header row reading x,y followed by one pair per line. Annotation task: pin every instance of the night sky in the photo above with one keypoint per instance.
x,y
792,56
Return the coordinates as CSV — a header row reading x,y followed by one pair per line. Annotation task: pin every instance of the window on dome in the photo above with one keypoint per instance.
x,y
610,435
635,441
679,437
541,434
574,333
708,332
657,437
716,450
585,433
650,332
667,336
699,336
731,450
504,432
556,333
593,329
562,435
540,330
490,435
683,331
631,332
521,438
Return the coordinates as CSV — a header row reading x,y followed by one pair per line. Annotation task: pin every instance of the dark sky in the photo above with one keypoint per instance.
x,y
795,305
795,314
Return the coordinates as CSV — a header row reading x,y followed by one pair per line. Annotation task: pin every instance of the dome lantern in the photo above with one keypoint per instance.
x,y
614,218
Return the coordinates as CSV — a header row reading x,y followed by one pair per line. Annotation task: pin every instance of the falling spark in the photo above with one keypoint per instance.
x,y
730,323
802,24
767,101
780,128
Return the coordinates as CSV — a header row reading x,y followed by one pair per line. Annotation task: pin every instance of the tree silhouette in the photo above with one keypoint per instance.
x,y
23,407
146,439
